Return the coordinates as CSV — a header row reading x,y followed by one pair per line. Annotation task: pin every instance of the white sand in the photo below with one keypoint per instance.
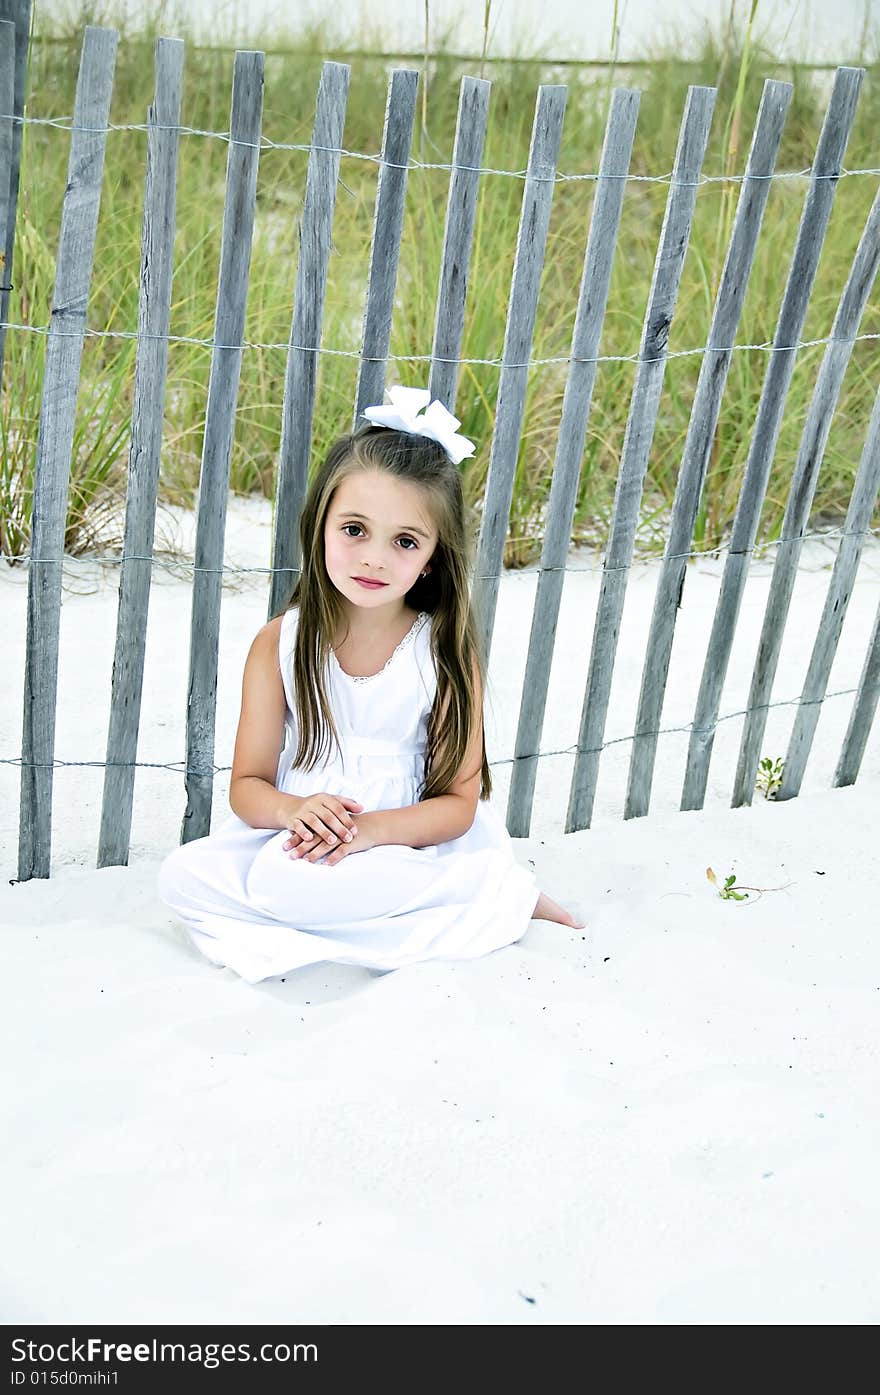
x,y
670,1117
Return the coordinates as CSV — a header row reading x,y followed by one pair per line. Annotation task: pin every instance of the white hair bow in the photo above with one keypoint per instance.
x,y
402,413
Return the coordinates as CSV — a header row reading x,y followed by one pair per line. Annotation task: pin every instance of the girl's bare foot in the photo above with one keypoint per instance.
x,y
545,909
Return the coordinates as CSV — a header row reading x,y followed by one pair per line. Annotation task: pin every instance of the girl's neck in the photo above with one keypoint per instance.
x,y
375,627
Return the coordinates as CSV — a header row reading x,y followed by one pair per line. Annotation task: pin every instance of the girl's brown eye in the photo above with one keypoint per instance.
x,y
405,538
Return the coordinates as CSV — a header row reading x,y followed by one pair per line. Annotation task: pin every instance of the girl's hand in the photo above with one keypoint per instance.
x,y
332,852
324,816
302,843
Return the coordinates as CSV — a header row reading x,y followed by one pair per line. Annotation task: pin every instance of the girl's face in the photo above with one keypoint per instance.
x,y
377,528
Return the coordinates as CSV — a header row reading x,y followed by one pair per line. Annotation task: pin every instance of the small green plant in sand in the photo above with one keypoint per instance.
x,y
732,890
769,778
728,890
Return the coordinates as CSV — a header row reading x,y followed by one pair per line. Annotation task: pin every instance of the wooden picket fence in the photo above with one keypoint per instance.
x,y
62,367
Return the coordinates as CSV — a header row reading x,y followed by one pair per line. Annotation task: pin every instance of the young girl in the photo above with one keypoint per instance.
x,y
365,840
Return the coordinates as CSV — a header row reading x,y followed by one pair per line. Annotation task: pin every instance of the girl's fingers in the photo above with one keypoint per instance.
x,y
343,822
336,834
328,856
302,836
312,842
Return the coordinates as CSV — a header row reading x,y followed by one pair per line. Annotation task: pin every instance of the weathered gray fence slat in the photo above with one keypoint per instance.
x,y
461,211
7,125
64,343
811,234
662,297
800,498
387,228
846,565
592,302
17,13
154,312
235,258
701,433
298,410
519,331
862,715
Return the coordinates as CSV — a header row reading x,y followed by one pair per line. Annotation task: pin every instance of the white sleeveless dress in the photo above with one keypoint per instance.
x,y
251,907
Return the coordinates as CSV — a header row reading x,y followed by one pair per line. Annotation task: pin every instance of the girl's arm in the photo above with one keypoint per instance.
x,y
260,738
437,820
446,816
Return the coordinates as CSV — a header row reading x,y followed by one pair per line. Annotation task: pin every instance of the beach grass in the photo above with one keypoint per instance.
x,y
735,63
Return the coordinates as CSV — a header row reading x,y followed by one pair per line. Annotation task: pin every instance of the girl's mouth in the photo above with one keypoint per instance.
x,y
372,585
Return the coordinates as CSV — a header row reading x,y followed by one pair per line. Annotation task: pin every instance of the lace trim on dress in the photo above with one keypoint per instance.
x,y
410,635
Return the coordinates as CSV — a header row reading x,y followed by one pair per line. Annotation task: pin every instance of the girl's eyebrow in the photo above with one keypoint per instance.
x,y
347,513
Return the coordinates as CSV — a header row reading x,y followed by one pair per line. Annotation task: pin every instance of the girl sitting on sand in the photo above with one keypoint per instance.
x,y
375,847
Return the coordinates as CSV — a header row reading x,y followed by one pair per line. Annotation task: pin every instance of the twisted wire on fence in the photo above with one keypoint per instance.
x,y
66,123
286,346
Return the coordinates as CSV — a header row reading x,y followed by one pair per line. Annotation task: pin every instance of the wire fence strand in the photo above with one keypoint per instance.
x,y
66,123
285,346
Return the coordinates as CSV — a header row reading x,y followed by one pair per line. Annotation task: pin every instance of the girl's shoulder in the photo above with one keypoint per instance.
x,y
273,643
268,634
266,650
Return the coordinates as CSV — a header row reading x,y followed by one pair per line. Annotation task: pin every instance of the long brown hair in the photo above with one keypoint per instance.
x,y
444,592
